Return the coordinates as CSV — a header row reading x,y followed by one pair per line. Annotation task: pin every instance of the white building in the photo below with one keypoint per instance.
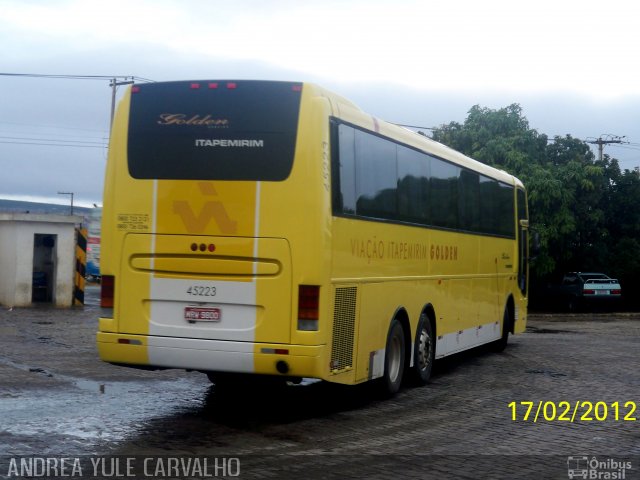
x,y
37,259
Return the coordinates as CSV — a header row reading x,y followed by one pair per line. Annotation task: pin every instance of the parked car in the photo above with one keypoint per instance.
x,y
582,289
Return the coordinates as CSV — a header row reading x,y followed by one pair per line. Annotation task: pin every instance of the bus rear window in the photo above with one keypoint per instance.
x,y
213,130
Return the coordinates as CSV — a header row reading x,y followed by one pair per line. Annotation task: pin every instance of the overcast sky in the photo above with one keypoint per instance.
x,y
572,65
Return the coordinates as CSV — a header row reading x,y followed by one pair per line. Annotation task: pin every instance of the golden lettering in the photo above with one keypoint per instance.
x,y
184,119
444,252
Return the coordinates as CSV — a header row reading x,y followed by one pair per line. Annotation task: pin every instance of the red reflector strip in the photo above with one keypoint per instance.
x,y
277,351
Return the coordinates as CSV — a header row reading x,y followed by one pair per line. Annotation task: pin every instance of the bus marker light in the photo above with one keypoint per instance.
x,y
107,288
203,247
213,86
232,85
194,86
308,307
135,89
212,247
194,247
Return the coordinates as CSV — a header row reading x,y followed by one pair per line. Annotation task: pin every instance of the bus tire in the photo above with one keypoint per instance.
x,y
394,360
501,344
424,352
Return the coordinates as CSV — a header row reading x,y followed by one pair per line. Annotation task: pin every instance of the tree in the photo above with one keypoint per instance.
x,y
566,186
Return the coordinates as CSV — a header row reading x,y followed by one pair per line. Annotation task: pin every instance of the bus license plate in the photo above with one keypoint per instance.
x,y
202,314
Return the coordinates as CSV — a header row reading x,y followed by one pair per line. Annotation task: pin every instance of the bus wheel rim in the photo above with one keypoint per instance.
x,y
424,350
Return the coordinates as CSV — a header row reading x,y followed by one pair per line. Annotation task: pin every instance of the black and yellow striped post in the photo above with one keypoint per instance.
x,y
81,266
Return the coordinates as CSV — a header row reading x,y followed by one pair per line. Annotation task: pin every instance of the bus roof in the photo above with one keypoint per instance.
x,y
348,111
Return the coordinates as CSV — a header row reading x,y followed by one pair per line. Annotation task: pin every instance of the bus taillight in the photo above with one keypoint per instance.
x,y
107,287
308,307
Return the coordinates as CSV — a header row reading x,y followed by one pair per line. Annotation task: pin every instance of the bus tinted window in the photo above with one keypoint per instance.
x,y
496,203
506,210
444,193
347,157
207,131
413,185
469,201
522,205
374,177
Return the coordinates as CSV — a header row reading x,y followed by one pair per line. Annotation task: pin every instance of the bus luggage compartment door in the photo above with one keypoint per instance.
x,y
221,288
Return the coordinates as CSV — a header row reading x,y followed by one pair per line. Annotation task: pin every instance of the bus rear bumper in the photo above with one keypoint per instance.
x,y
211,355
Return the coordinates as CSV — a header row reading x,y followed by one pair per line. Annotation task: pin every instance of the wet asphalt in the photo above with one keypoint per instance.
x,y
58,398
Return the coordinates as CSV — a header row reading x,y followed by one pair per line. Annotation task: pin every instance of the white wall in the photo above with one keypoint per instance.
x,y
16,256
8,246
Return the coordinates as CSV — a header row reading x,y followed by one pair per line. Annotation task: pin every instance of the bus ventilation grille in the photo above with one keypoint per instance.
x,y
344,320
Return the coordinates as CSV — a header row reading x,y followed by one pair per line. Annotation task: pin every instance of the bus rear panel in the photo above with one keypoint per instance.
x,y
198,230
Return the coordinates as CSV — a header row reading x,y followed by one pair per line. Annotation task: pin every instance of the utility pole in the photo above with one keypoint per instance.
x,y
114,84
605,140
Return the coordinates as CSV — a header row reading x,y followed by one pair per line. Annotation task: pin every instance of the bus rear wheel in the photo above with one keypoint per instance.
x,y
424,352
394,360
501,344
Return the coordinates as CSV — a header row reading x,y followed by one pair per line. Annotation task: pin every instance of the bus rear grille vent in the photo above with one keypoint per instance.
x,y
344,320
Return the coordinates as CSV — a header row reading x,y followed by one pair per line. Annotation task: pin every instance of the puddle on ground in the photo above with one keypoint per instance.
x,y
91,411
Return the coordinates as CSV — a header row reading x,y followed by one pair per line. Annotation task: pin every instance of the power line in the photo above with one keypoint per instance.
x,y
75,77
53,144
56,127
52,140
414,126
114,82
37,136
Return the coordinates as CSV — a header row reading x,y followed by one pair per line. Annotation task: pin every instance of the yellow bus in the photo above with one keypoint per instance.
x,y
258,228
